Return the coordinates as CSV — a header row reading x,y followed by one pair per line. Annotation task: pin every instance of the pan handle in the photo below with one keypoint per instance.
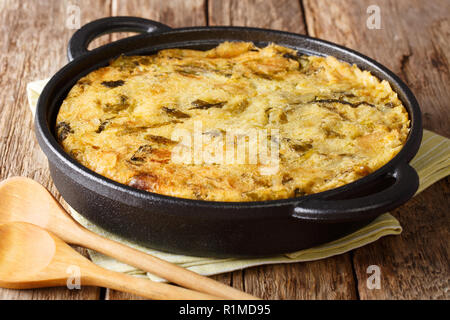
x,y
80,40
323,210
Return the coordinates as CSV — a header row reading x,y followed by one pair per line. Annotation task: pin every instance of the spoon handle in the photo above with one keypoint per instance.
x,y
159,267
97,276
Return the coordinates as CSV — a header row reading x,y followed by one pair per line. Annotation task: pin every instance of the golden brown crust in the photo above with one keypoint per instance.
x,y
332,122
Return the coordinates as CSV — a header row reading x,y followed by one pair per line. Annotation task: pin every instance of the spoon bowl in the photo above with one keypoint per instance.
x,y
31,257
25,200
24,267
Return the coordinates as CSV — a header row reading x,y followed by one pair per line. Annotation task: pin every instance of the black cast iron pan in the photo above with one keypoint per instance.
x,y
217,229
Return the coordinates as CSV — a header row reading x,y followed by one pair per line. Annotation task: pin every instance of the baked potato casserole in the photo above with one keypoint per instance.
x,y
234,123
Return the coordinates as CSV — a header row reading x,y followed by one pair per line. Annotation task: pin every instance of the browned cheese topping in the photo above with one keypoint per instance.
x,y
330,123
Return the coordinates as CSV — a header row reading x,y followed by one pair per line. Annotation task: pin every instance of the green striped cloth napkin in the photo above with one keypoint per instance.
x,y
432,164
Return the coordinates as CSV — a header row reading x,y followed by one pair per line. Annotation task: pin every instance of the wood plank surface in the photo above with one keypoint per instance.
x,y
283,15
413,41
33,46
414,265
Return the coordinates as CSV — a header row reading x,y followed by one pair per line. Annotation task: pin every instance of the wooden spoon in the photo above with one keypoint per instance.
x,y
31,257
23,199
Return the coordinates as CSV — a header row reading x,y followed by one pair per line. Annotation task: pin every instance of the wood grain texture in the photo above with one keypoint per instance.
x,y
412,42
330,278
274,14
32,46
174,13
414,265
171,13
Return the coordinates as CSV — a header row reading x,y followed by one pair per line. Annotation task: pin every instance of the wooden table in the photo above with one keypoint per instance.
x,y
413,41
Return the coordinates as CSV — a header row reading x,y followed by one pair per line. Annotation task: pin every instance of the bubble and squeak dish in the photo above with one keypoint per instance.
x,y
331,122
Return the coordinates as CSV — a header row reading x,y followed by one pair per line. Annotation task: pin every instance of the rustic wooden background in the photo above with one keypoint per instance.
x,y
413,41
